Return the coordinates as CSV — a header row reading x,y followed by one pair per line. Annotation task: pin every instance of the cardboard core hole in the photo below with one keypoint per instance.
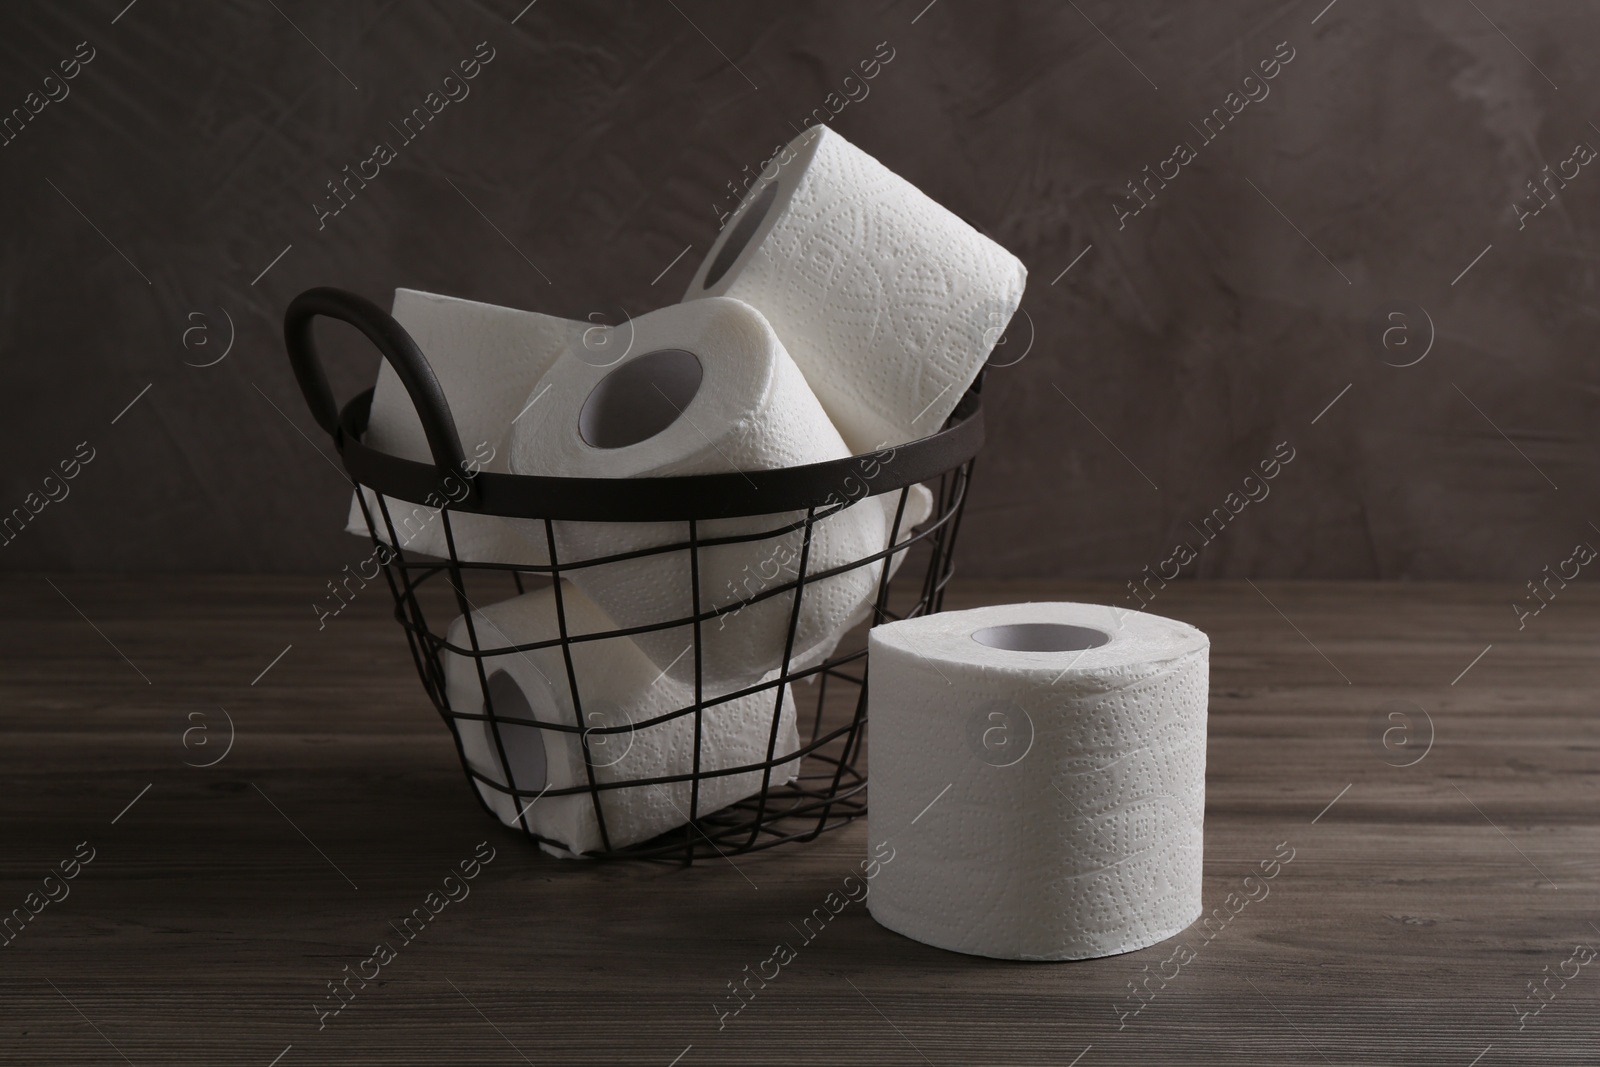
x,y
1041,637
743,230
640,398
524,743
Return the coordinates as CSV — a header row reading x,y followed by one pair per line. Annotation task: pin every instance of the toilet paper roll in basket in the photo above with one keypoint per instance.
x,y
705,387
1062,748
617,685
919,505
888,302
486,359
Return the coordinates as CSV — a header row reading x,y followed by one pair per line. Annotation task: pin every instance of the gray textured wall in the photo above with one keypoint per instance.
x,y
1165,365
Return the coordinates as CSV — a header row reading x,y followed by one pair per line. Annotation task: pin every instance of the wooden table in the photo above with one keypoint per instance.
x,y
221,901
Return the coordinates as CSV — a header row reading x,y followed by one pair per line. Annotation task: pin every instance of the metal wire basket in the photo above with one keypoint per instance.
x,y
829,697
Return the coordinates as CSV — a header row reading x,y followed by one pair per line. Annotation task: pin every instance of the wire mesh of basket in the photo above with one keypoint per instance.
x,y
786,793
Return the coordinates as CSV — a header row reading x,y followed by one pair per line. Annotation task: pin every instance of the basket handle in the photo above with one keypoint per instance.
x,y
394,344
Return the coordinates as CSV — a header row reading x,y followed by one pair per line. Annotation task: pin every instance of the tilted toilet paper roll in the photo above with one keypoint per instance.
x,y
706,387
1062,748
486,359
617,685
888,302
919,505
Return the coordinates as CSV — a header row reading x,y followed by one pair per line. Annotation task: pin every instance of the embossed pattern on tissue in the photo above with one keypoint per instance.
x,y
822,294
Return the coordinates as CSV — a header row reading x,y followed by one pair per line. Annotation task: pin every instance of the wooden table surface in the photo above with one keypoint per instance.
x,y
1421,902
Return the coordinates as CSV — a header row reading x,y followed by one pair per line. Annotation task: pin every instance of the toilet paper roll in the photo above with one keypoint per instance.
x,y
486,359
919,505
888,302
1039,770
705,388
617,685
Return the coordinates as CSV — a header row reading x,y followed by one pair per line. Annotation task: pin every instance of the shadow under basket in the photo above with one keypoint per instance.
x,y
795,795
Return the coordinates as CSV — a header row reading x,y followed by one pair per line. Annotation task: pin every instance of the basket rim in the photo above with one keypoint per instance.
x,y
733,494
451,483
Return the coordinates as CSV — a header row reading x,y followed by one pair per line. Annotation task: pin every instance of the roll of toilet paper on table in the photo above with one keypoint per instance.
x,y
706,388
617,686
1039,770
486,359
889,303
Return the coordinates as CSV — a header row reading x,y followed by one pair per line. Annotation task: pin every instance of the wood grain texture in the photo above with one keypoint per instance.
x,y
585,173
206,928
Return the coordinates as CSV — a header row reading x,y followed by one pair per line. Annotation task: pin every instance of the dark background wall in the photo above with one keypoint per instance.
x,y
1176,353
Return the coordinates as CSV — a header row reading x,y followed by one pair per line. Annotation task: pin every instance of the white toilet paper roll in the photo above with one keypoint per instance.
x,y
919,505
888,302
486,359
617,685
706,387
1063,749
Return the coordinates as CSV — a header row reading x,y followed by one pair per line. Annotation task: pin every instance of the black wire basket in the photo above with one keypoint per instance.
x,y
795,795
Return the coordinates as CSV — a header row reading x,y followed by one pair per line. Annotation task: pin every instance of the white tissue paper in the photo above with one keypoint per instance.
x,y
705,388
486,359
889,303
617,685
1041,804
919,505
